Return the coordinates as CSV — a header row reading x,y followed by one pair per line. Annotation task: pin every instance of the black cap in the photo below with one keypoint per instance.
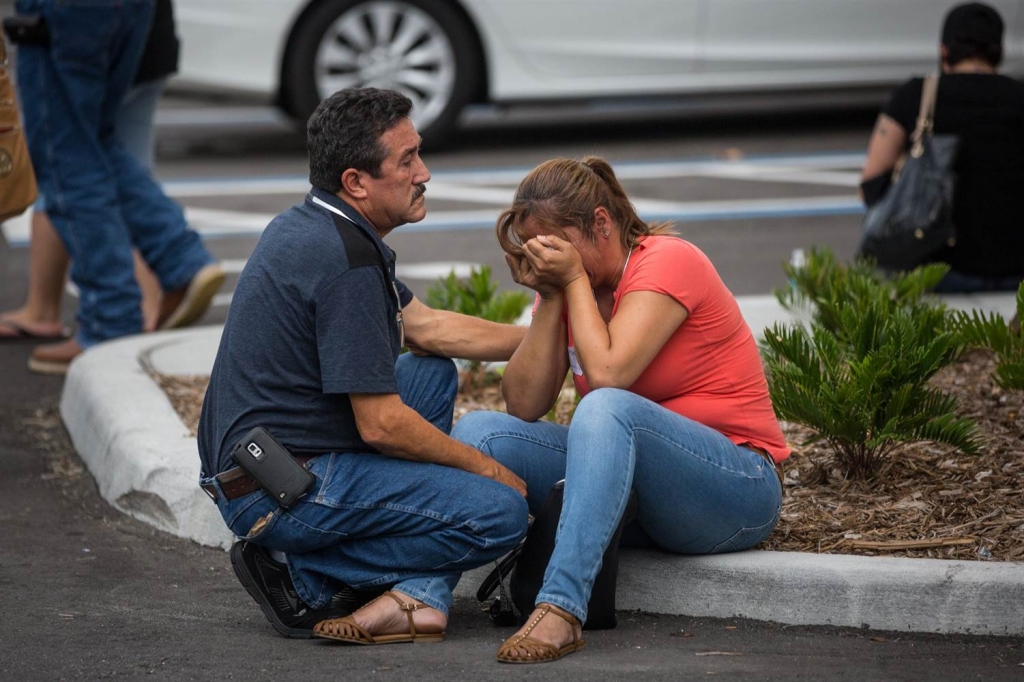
x,y
972,24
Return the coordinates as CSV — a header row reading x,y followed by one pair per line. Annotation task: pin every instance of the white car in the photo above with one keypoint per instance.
x,y
445,54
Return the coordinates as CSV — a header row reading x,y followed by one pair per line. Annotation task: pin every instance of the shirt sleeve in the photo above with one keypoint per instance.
x,y
404,295
672,267
904,104
353,334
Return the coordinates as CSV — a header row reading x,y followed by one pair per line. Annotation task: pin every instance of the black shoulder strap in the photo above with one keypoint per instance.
x,y
359,247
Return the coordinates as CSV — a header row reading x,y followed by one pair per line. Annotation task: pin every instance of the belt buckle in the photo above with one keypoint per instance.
x,y
209,493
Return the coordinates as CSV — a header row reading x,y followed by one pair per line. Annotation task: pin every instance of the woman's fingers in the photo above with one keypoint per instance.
x,y
515,267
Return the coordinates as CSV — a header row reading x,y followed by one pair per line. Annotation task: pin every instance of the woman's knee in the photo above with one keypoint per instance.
x,y
603,403
477,428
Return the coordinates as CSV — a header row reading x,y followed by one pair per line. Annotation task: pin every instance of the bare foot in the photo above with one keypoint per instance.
x,y
150,311
23,322
384,617
551,629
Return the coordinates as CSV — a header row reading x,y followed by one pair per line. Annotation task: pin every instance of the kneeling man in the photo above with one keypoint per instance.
x,y
310,352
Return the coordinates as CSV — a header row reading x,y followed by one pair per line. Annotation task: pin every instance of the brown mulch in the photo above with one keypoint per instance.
x,y
929,501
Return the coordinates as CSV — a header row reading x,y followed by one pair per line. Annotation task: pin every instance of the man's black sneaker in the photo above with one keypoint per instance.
x,y
268,582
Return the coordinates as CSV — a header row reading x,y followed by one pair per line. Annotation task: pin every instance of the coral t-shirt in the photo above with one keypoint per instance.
x,y
710,369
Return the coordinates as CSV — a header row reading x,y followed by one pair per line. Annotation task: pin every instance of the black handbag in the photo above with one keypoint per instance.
x,y
524,568
914,218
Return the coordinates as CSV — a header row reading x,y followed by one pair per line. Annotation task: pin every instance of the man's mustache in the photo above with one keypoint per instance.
x,y
420,191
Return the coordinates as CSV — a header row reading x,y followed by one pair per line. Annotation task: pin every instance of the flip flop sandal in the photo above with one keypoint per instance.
x,y
526,649
346,629
13,331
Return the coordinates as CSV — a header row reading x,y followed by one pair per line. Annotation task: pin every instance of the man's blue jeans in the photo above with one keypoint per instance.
x,y
100,198
697,492
372,521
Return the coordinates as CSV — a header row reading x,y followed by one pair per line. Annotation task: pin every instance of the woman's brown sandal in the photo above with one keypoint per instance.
x,y
526,649
346,629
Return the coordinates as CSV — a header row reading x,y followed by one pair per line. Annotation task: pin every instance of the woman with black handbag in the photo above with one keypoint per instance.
x,y
984,111
674,400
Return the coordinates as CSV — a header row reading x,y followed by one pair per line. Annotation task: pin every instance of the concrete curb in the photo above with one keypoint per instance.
x,y
123,426
146,465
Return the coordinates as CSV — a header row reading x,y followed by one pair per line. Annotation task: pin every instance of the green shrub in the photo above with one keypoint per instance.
x,y
822,284
868,397
858,372
979,330
477,296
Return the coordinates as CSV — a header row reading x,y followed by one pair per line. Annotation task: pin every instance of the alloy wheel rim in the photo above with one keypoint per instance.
x,y
388,44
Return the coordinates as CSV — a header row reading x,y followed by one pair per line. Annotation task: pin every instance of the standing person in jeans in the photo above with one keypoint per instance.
x,y
985,110
310,352
39,318
674,404
101,199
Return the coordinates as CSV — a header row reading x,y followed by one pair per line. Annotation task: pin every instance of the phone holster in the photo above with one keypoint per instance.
x,y
272,466
27,29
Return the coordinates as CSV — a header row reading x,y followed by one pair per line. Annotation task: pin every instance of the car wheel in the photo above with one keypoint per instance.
x,y
425,49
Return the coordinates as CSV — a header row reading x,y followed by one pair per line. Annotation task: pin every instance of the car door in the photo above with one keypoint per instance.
x,y
808,43
592,47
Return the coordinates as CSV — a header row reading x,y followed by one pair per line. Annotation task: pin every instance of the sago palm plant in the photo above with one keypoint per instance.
x,y
859,379
1007,342
821,284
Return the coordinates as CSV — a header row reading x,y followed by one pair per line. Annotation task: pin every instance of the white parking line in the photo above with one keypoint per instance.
x,y
637,170
217,224
413,271
494,186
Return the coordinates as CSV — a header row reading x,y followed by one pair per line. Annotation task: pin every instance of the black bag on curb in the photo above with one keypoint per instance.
x,y
914,218
524,568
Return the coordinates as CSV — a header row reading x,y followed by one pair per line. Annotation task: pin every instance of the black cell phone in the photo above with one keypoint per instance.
x,y
273,466
27,29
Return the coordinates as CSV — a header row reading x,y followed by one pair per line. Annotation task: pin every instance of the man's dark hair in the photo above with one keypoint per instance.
x,y
345,132
973,31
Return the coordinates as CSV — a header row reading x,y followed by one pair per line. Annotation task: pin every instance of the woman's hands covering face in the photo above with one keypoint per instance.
x,y
547,266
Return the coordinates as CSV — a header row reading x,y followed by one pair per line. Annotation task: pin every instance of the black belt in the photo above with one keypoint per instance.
x,y
235,483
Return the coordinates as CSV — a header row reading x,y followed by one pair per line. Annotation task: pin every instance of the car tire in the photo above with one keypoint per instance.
x,y
425,49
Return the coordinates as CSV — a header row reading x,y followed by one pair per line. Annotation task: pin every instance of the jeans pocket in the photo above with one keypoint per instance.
x,y
745,538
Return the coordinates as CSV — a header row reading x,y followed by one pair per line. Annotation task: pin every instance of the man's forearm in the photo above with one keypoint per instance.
x,y
454,335
406,435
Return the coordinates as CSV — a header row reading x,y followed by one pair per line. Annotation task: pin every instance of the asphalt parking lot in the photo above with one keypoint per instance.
x,y
87,593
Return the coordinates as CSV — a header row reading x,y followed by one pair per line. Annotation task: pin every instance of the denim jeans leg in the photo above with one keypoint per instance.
x,y
959,283
376,521
134,126
67,92
428,385
697,491
155,222
534,451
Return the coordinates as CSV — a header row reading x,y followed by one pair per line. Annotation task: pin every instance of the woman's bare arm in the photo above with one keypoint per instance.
x,y
884,148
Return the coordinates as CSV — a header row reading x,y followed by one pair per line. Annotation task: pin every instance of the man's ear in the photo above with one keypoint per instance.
x,y
352,184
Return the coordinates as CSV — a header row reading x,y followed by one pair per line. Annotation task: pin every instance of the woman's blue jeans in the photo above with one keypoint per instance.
x,y
372,521
697,492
